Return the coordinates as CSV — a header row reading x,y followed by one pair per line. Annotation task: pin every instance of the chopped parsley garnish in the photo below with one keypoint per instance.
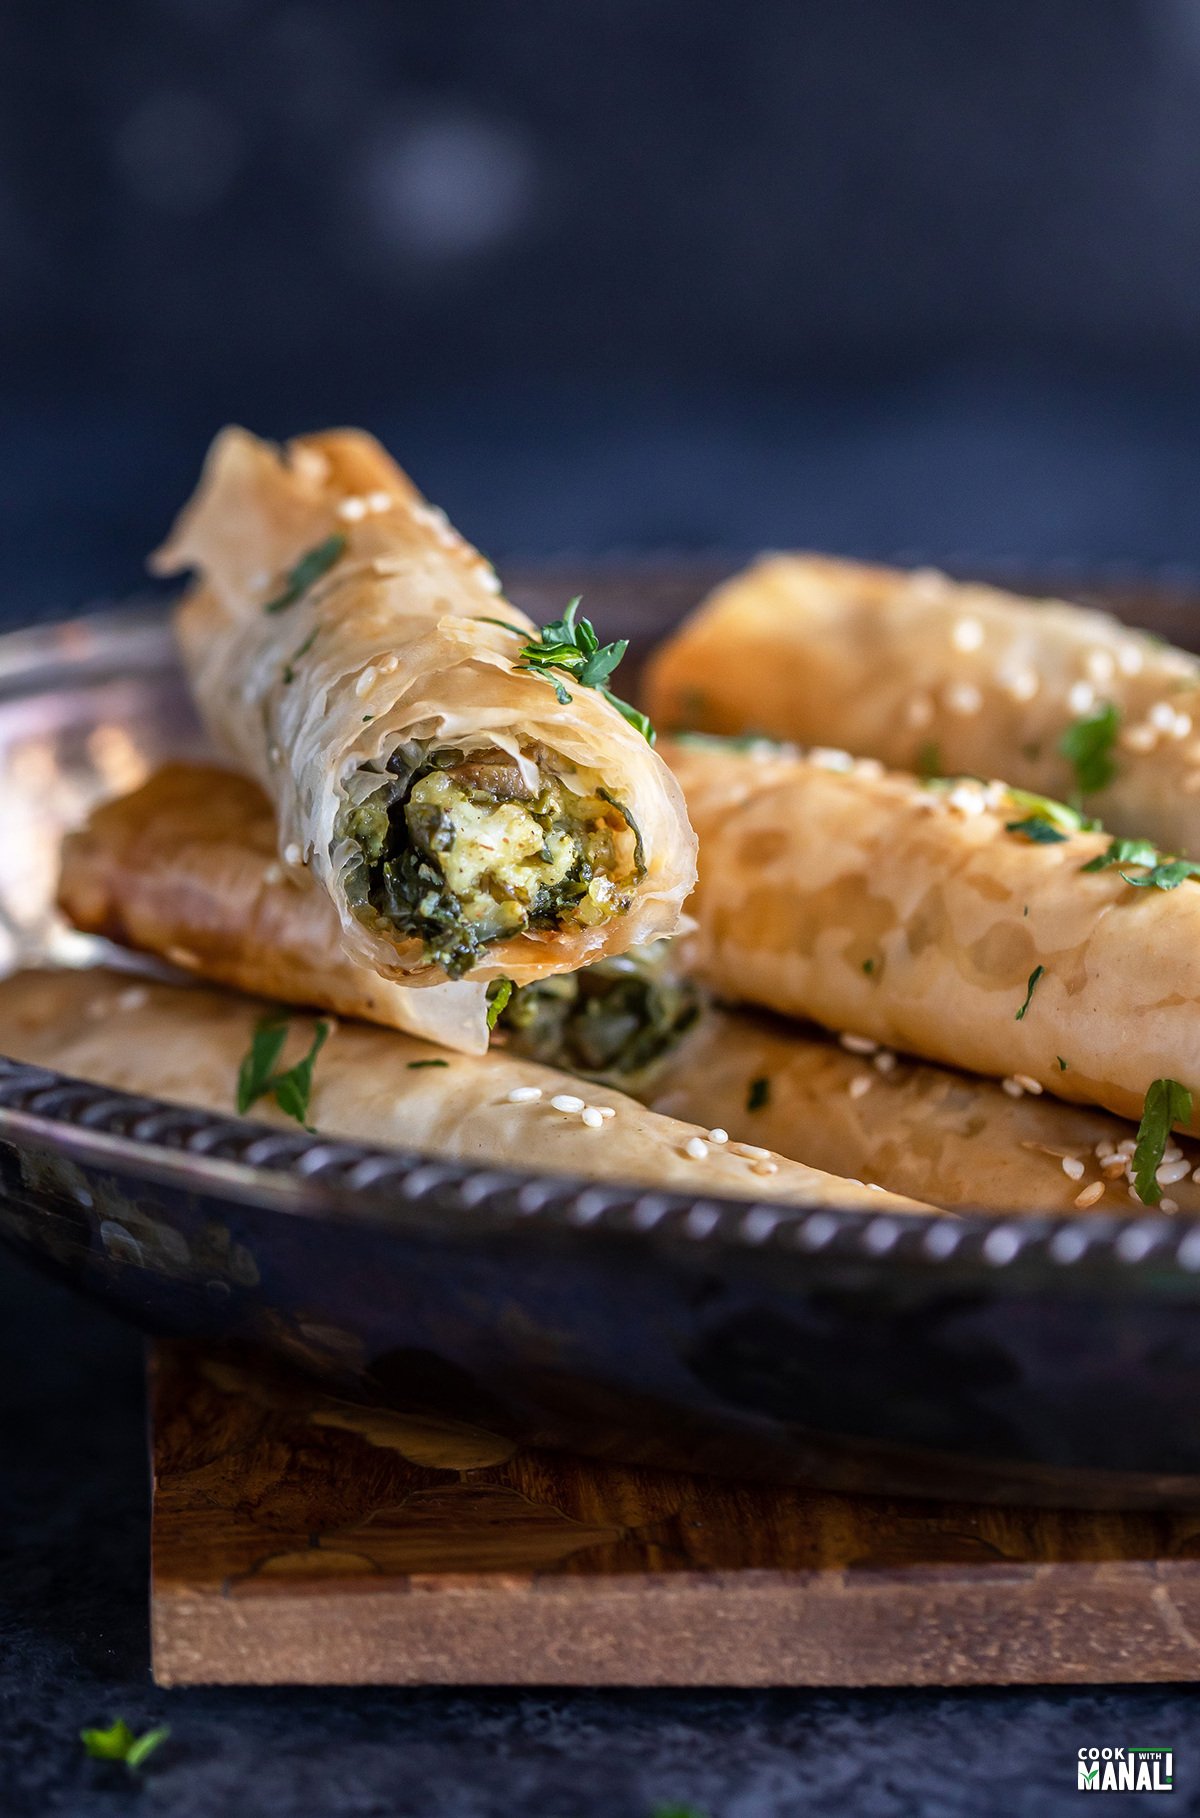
x,y
413,1065
308,569
1036,828
868,966
1062,1065
1123,852
1045,808
759,1094
1034,976
118,1743
1088,744
498,994
1167,1104
291,1089
1167,876
570,647
289,674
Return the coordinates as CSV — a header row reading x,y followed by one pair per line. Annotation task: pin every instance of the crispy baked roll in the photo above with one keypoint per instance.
x,y
186,867
964,923
469,796
959,1141
924,673
188,1045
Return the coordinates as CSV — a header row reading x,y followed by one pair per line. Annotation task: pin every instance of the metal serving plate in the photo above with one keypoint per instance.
x,y
1053,1361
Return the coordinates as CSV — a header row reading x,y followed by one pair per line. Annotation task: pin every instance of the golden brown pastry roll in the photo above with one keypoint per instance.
x,y
186,868
190,1045
926,673
964,923
468,792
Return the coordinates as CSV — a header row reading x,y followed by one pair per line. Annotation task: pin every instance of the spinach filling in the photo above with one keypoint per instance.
x,y
614,1018
459,851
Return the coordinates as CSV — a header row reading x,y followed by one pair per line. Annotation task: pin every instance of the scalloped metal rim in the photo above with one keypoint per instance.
x,y
311,1174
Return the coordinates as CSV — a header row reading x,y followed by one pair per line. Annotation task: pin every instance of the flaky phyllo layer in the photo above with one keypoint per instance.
x,y
470,794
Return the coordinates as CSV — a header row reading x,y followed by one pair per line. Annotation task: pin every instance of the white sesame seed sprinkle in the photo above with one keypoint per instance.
x,y
566,1101
751,1151
857,1044
379,501
963,697
860,1084
352,510
695,1148
1072,1167
765,1167
1027,1083
1170,1172
524,1095
1139,739
132,999
884,1061
291,853
1129,659
1090,1195
1081,697
592,1118
604,1110
1100,664
919,712
967,635
718,1136
1162,716
1012,1088
365,681
1022,684
1168,1205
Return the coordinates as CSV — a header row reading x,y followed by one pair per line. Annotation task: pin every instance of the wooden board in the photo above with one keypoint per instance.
x,y
299,1538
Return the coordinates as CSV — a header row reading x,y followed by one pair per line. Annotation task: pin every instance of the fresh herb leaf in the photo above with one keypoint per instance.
x,y
570,645
258,1066
308,569
929,762
413,1065
1062,1065
1167,876
289,674
1034,827
1167,1104
759,1094
293,1089
1034,976
257,1077
481,618
1044,807
498,994
1088,745
118,1743
1123,852
868,966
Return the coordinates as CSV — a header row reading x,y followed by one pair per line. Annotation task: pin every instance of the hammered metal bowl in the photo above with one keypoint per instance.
x,y
1037,1360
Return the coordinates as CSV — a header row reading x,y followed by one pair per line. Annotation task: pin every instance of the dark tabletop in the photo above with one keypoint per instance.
x,y
74,1652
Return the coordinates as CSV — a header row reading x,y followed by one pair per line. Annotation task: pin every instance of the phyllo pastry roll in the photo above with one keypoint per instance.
x,y
928,674
186,868
970,923
196,1046
469,793
852,1106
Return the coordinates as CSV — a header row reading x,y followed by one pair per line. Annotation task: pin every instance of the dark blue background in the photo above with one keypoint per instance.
x,y
869,275
875,275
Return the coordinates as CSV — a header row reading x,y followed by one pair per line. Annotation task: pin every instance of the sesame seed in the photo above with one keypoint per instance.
x,y
133,999
1114,1168
566,1101
291,853
1139,739
524,1095
828,757
352,510
1081,697
1072,1167
1168,1205
1090,1195
919,712
1127,1145
765,1167
1162,716
183,956
1100,665
592,1118
1013,1089
605,1110
1022,684
365,681
860,1084
1027,1083
967,635
884,1061
379,501
1172,1152
718,1135
1182,727
1170,1172
696,1148
857,1044
751,1151
963,697
1129,659
273,874
968,798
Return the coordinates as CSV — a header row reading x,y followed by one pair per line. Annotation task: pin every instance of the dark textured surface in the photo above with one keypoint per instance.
x,y
73,1650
